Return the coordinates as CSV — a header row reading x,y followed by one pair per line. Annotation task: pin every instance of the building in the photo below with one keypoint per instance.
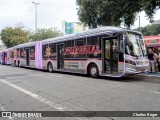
x,y
72,27
153,42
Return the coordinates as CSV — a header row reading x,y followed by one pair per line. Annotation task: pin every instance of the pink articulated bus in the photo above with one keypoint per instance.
x,y
104,51
5,57
0,57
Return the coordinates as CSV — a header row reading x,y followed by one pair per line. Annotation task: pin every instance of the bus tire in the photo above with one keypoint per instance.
x,y
19,64
50,67
14,63
93,71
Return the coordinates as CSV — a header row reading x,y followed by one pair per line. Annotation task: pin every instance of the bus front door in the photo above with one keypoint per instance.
x,y
110,55
60,56
27,57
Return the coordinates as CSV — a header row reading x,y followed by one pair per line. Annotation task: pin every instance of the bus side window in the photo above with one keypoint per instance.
x,y
18,52
52,47
21,52
121,44
32,52
121,57
79,43
69,45
44,52
94,42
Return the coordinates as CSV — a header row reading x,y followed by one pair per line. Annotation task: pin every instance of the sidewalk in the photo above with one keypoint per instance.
x,y
157,74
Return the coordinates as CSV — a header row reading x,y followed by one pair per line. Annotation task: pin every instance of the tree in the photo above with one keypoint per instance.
x,y
150,30
114,12
150,7
44,33
14,36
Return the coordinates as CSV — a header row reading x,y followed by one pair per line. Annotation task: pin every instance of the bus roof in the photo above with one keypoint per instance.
x,y
24,44
92,32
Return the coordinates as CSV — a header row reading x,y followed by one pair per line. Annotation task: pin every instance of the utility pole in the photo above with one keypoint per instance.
x,y
35,15
139,23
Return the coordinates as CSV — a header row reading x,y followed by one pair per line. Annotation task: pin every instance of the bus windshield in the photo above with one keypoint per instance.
x,y
142,43
134,45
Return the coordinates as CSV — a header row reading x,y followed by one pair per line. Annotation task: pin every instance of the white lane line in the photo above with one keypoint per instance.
x,y
49,75
155,92
56,75
3,109
40,98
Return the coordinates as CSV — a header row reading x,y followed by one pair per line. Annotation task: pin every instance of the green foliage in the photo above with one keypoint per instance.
x,y
114,12
150,7
43,33
18,35
14,36
150,30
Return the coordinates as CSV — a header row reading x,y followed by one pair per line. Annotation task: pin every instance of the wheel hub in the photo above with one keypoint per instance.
x,y
50,68
93,71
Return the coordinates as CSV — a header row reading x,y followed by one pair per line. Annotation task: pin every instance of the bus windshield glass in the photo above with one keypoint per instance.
x,y
142,43
135,45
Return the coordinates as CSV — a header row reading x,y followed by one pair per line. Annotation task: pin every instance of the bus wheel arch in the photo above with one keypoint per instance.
x,y
50,67
93,70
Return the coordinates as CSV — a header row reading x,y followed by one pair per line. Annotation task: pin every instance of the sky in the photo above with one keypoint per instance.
x,y
50,13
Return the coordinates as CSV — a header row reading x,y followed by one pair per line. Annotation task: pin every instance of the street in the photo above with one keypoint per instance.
x,y
23,89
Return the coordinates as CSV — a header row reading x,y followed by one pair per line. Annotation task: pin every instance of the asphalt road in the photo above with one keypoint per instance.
x,y
23,89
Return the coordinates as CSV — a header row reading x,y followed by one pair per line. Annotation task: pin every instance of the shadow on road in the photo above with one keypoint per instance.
x,y
131,78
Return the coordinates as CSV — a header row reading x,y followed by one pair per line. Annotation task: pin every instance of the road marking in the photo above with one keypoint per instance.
x,y
3,109
40,98
56,75
155,92
49,75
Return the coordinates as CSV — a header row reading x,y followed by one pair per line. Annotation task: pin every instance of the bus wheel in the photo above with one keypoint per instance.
x,y
19,64
93,71
14,63
50,67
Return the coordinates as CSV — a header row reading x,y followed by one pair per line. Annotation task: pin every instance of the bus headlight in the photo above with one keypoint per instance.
x,y
130,62
146,62
139,63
